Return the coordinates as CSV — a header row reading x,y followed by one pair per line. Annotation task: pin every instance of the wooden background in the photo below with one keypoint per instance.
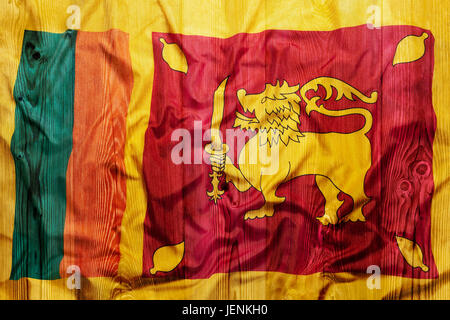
x,y
220,19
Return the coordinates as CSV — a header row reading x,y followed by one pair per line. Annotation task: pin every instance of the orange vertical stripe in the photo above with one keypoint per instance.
x,y
96,182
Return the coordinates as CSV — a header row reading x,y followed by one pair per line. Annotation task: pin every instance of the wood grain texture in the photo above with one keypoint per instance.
x,y
96,181
41,145
9,63
215,19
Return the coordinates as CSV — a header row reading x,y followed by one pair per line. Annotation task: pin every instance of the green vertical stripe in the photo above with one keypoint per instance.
x,y
41,146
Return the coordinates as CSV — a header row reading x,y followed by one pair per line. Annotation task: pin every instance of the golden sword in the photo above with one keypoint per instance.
x,y
216,149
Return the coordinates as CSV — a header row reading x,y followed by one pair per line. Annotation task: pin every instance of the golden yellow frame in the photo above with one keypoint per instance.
x,y
219,18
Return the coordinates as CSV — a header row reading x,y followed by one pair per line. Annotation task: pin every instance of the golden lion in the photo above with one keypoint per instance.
x,y
339,161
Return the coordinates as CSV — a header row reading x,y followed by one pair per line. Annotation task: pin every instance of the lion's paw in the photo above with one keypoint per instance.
x,y
355,216
326,220
258,214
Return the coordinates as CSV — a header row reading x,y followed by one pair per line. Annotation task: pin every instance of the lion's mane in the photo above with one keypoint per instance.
x,y
277,115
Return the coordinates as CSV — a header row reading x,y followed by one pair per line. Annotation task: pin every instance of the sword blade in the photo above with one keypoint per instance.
x,y
217,116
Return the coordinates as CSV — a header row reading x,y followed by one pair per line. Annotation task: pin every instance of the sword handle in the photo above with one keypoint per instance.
x,y
217,170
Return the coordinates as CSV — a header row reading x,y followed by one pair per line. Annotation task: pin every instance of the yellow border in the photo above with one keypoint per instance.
x,y
220,18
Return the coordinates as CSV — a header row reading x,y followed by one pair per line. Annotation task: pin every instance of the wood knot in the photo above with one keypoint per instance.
x,y
405,188
422,169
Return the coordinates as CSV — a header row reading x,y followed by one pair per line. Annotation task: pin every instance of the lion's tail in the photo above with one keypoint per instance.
x,y
340,113
343,89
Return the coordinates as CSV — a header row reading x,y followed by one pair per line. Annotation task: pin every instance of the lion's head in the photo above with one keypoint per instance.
x,y
276,113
